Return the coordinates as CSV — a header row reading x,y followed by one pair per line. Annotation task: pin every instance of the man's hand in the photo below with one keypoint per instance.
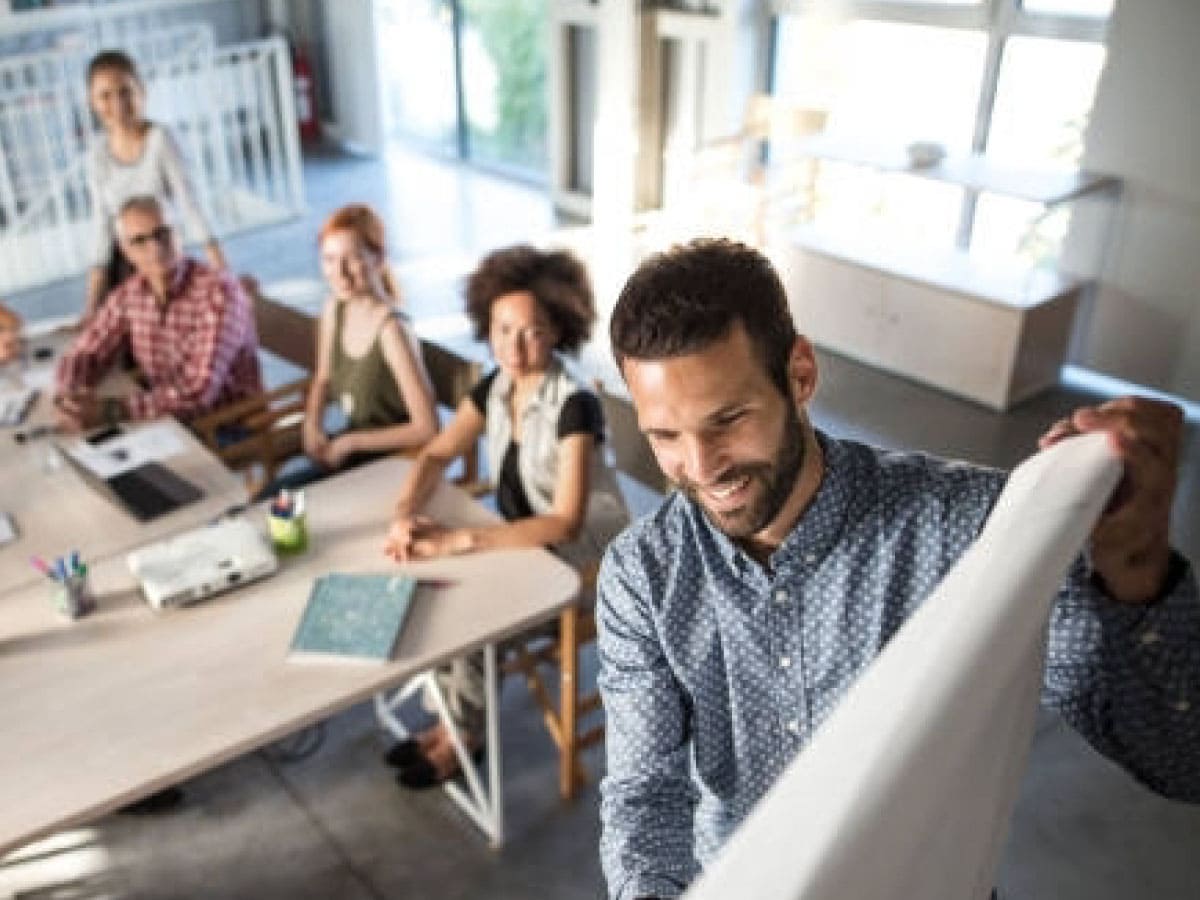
x,y
420,537
1130,546
78,411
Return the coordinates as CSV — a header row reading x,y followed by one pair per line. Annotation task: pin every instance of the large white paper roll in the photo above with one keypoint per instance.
x,y
907,789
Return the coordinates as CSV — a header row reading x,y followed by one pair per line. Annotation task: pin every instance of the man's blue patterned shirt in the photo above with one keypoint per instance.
x,y
716,671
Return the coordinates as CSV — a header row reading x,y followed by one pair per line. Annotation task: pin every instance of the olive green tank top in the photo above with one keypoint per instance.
x,y
364,387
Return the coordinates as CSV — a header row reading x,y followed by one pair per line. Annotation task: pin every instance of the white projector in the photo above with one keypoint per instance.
x,y
201,563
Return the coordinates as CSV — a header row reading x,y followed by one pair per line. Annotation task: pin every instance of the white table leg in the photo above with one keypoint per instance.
x,y
484,804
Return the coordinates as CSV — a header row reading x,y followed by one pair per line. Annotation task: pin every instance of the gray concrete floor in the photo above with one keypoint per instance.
x,y
335,825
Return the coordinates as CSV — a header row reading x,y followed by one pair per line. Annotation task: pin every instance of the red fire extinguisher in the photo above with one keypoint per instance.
x,y
306,95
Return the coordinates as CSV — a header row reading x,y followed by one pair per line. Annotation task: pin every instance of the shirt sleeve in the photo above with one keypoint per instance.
x,y
217,336
1127,677
479,393
581,414
95,350
183,192
647,798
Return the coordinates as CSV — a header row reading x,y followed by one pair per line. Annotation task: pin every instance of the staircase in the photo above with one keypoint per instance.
x,y
231,108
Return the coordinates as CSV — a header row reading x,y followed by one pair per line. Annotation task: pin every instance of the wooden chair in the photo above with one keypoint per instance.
x,y
452,376
536,660
256,436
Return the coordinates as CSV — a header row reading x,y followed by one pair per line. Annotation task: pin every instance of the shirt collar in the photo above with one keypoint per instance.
x,y
177,283
816,532
549,382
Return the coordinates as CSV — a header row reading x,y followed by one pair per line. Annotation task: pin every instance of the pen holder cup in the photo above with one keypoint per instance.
x,y
289,534
73,597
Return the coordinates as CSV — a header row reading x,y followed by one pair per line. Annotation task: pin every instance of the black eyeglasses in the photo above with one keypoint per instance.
x,y
161,234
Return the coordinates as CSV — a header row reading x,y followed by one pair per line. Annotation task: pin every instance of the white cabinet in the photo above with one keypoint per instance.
x,y
993,332
927,328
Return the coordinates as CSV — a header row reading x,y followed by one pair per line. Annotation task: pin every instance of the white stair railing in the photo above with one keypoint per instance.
x,y
230,108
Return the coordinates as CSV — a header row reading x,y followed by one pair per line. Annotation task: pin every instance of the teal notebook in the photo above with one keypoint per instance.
x,y
354,616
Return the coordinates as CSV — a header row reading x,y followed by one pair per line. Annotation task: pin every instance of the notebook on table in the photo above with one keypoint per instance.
x,y
353,617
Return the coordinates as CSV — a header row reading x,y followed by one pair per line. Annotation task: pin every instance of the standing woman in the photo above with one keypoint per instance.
x,y
134,157
543,431
368,361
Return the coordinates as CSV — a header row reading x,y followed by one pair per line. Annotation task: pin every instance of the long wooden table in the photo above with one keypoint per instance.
x,y
56,511
157,697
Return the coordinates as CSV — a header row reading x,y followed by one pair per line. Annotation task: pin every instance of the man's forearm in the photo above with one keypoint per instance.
x,y
1127,677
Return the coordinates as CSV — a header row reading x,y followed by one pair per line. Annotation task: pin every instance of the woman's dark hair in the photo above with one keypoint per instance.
x,y
689,297
116,60
557,279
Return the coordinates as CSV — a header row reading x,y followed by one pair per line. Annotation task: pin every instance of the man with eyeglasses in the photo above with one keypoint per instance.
x,y
188,327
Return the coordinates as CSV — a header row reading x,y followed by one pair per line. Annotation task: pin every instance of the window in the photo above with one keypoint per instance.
x,y
504,81
417,73
1043,99
1012,78
1097,9
467,78
885,78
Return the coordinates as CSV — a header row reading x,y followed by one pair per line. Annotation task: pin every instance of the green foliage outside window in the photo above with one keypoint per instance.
x,y
513,33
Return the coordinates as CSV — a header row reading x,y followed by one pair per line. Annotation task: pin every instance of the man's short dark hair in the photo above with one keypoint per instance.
x,y
689,297
114,60
557,279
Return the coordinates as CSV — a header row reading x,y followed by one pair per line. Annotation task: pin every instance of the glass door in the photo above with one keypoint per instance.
x,y
419,73
467,78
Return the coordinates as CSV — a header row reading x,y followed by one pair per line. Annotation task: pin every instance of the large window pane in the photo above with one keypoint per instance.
x,y
887,82
417,71
1098,9
885,85
504,81
1043,101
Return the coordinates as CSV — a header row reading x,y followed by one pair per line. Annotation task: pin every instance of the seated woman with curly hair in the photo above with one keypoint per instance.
x,y
543,431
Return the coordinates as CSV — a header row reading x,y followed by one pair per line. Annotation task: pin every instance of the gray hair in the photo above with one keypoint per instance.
x,y
146,203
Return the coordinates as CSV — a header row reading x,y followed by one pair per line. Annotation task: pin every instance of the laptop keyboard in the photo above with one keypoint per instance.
x,y
151,490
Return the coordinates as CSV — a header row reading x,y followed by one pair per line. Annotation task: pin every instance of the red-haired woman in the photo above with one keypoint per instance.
x,y
368,361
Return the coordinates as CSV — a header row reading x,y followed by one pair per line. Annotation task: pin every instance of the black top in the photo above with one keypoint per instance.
x,y
581,414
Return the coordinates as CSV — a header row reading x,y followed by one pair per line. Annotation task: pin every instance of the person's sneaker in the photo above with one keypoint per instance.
x,y
404,753
163,801
422,774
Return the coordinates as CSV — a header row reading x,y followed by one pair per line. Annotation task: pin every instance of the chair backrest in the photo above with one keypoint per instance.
x,y
452,376
631,450
289,333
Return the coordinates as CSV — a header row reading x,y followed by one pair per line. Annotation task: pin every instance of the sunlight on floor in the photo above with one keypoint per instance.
x,y
68,864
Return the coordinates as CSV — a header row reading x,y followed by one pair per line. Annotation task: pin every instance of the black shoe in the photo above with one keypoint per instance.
x,y
422,774
419,775
405,753
164,801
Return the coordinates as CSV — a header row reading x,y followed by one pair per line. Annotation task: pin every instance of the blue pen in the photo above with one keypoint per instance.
x,y
60,569
74,562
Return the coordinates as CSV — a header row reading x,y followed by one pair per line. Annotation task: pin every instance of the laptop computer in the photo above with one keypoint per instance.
x,y
146,491
201,563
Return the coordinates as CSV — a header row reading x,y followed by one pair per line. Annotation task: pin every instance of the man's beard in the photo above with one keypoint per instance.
x,y
776,480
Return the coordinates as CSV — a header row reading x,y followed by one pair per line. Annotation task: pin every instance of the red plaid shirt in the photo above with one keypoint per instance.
x,y
197,352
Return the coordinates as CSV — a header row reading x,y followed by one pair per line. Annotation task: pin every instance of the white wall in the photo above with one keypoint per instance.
x,y
1145,325
354,75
